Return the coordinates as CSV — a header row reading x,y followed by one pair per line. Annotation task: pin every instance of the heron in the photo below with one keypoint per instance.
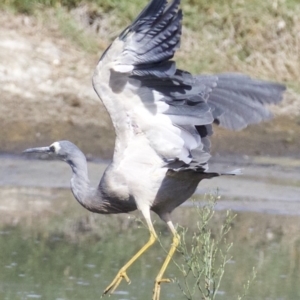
x,y
163,119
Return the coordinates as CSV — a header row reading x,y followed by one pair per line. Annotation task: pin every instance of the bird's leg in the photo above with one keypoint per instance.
x,y
159,278
122,273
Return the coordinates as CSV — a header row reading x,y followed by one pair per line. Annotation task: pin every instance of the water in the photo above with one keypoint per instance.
x,y
51,248
61,253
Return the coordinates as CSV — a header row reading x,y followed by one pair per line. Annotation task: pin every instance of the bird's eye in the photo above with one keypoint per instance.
x,y
52,149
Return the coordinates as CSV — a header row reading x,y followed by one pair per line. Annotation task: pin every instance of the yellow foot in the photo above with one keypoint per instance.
x,y
156,291
114,284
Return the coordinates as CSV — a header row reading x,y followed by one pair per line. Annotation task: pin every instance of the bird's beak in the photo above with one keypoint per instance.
x,y
37,150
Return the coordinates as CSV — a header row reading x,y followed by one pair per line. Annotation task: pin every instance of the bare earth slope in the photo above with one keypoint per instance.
x,y
46,90
46,94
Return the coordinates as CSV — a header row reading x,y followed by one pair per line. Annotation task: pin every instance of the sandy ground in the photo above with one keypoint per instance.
x,y
47,95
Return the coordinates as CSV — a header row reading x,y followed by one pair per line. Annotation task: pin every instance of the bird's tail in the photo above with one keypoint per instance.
x,y
233,172
209,175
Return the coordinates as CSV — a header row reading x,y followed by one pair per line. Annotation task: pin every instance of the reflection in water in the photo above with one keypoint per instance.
x,y
50,248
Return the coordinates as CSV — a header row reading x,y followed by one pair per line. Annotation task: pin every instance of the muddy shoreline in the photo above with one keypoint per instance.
x,y
279,137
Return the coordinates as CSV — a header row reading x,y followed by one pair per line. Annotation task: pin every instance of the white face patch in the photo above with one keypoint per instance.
x,y
56,147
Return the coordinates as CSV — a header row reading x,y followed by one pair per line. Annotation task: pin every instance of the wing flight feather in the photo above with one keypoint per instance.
x,y
143,90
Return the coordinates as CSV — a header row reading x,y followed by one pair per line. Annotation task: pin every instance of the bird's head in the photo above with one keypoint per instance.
x,y
63,150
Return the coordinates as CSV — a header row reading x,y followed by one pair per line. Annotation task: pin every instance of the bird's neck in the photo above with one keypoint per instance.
x,y
89,197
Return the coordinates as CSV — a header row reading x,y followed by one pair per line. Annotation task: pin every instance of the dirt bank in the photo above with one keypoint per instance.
x,y
46,95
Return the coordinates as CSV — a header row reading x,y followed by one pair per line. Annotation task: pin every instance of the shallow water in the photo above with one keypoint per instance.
x,y
51,248
59,251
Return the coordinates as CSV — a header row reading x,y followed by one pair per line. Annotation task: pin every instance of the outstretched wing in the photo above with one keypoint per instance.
x,y
146,95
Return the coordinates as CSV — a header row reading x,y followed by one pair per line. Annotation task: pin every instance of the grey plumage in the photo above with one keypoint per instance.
x,y
163,119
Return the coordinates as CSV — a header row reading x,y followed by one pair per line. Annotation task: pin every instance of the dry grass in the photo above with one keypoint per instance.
x,y
253,36
259,38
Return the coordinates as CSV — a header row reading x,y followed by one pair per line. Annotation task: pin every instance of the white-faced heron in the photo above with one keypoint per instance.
x,y
163,119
